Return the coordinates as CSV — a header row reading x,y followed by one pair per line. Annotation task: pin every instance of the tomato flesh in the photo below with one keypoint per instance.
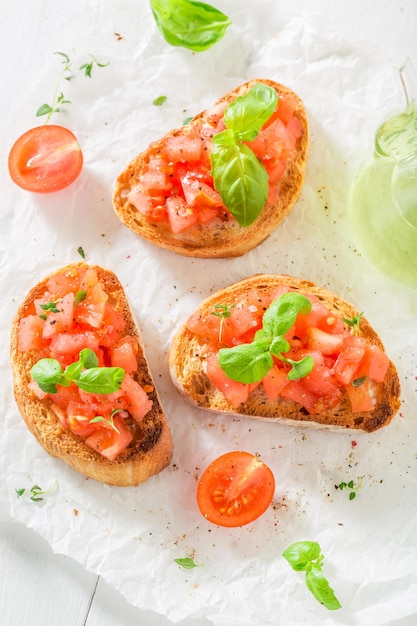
x,y
176,186
61,332
235,489
45,159
340,357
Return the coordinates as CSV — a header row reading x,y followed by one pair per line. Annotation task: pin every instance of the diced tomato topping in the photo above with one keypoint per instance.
x,y
374,364
343,362
349,359
233,391
108,442
179,167
138,402
30,333
274,382
180,215
64,325
63,319
360,396
124,354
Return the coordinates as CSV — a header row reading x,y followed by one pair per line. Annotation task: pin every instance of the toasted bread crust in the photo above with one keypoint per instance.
x,y
151,448
217,239
192,383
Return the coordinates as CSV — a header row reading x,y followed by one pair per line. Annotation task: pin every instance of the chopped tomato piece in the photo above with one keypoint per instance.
x,y
182,148
72,343
274,382
108,442
236,393
30,333
374,364
63,319
296,391
327,343
180,215
199,194
91,310
124,354
138,402
360,396
348,362
235,489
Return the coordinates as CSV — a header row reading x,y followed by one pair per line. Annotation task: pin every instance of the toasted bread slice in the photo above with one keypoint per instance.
x,y
222,236
151,447
188,353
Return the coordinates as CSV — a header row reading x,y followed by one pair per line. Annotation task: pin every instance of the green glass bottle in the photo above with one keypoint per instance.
x,y
383,199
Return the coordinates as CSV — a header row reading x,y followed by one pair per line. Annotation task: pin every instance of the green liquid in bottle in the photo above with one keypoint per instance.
x,y
383,200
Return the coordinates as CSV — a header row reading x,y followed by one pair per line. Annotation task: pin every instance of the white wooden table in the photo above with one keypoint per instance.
x,y
39,588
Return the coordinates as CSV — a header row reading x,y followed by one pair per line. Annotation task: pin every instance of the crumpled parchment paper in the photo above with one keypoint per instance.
x,y
132,536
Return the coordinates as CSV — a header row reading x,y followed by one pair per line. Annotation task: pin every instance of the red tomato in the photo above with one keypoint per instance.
x,y
45,159
109,442
235,489
236,393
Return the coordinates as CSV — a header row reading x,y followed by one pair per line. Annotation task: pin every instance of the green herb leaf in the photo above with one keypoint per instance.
x,y
88,67
306,556
187,120
109,422
357,382
44,109
238,174
50,306
241,180
186,563
189,24
47,373
81,252
319,586
79,297
246,115
250,362
159,101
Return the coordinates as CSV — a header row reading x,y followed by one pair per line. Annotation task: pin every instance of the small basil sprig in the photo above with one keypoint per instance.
x,y
85,373
305,556
238,174
249,363
189,24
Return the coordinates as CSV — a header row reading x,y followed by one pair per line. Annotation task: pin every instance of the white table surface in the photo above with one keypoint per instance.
x,y
40,588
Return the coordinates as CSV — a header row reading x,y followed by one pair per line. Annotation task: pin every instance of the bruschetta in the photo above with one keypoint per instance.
x,y
282,349
81,379
219,185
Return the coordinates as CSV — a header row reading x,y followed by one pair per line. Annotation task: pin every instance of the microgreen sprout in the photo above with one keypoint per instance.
x,y
88,67
223,311
351,487
354,322
187,563
36,493
58,98
109,422
49,306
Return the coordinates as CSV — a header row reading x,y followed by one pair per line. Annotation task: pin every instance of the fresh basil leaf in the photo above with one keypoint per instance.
x,y
88,358
186,562
246,115
79,297
241,180
282,313
301,368
189,24
47,373
100,380
301,553
73,371
279,345
245,363
225,138
320,588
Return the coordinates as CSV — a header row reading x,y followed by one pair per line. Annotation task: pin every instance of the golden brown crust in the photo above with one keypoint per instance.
x,y
193,384
217,240
151,448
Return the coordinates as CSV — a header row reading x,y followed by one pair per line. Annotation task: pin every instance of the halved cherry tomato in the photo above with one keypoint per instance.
x,y
235,489
45,159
